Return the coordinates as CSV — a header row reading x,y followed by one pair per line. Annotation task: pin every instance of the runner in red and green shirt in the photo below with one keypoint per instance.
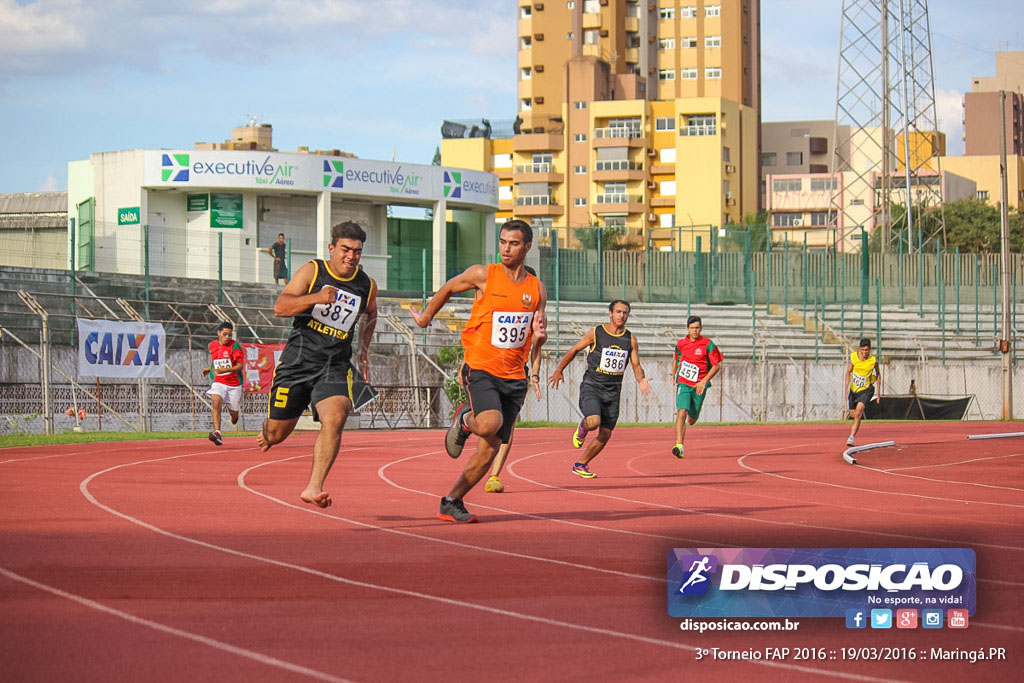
x,y
695,362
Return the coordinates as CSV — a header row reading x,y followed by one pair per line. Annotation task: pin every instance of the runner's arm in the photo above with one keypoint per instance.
x,y
474,277
846,385
638,371
296,296
367,324
587,340
878,381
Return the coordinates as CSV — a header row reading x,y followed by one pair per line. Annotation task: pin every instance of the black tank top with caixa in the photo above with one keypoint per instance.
x,y
325,331
608,357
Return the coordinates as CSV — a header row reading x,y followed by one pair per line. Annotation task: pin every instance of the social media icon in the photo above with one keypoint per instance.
x,y
881,618
957,618
906,618
931,618
856,618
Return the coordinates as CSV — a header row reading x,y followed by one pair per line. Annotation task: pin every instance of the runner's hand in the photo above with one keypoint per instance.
x,y
555,379
535,383
328,295
645,385
205,372
419,317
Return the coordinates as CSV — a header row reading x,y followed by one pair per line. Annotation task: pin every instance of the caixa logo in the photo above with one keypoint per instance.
x,y
111,348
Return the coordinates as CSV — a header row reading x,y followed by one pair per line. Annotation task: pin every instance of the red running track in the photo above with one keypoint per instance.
x,y
178,560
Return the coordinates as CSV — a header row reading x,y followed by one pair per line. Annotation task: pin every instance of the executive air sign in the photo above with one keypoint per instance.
x,y
817,582
314,173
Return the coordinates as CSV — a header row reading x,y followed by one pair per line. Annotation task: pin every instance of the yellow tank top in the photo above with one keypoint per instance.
x,y
497,336
864,373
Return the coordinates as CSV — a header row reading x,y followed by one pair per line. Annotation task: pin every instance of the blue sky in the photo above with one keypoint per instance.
x,y
374,78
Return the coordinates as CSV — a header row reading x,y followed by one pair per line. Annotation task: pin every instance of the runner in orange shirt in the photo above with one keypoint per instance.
x,y
509,301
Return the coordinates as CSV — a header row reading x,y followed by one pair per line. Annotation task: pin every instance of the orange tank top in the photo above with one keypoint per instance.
x,y
497,336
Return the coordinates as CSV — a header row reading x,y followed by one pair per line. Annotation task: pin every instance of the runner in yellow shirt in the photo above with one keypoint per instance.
x,y
862,375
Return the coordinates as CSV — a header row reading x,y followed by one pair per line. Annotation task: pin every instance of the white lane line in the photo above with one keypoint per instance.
x,y
163,628
84,488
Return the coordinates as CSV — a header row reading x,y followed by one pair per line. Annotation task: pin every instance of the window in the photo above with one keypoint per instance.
x,y
579,104
688,41
590,37
579,137
725,188
666,13
614,221
787,185
579,169
632,39
822,184
526,103
524,42
501,161
688,12
591,7
769,159
667,188
700,124
666,75
667,155
712,10
713,41
542,157
725,154
664,123
525,11
822,218
526,73
713,72
981,194
856,202
666,43
688,74
667,220
504,192
615,188
579,201
794,158
569,35
571,4
787,220
542,222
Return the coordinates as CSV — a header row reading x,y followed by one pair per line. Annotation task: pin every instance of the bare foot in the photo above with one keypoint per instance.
x,y
262,440
321,499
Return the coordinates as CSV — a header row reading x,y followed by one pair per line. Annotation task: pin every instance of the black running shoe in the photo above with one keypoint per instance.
x,y
215,438
457,434
453,510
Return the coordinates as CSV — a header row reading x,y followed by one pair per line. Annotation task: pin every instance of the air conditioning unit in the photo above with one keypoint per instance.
x,y
538,36
650,38
604,33
728,195
729,168
730,202
652,216
798,222
539,6
652,153
650,70
539,68
652,185
539,99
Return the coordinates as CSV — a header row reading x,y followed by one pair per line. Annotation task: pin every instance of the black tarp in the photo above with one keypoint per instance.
x,y
917,407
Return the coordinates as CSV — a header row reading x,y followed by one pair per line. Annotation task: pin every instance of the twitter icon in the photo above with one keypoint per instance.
x,y
881,618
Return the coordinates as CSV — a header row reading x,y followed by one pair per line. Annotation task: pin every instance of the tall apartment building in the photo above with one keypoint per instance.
x,y
635,114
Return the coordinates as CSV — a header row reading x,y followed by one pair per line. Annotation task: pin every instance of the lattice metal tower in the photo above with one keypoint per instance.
x,y
887,129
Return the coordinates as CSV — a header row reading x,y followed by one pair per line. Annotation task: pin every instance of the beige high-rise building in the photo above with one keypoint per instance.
x,y
634,114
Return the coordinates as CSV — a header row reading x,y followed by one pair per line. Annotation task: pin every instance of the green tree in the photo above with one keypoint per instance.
x,y
610,237
973,225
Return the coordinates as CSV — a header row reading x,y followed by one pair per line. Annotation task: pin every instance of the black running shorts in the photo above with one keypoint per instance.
x,y
601,400
487,392
297,384
861,397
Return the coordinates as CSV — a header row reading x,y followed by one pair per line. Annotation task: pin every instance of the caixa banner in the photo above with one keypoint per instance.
x,y
817,582
113,348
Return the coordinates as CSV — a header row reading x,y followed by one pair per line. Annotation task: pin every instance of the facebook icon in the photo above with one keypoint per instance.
x,y
856,618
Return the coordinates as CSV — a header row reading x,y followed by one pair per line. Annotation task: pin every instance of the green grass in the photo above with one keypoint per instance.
x,y
13,440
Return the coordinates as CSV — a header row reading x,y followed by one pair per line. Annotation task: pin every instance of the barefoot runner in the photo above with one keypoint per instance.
x,y
326,299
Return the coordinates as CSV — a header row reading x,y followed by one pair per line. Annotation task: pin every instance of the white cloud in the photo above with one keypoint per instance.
x,y
50,184
949,111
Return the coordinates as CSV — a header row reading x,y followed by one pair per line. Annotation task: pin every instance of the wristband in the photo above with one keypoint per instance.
x,y
536,377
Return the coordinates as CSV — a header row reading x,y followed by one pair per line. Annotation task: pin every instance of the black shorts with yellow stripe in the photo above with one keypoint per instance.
x,y
300,384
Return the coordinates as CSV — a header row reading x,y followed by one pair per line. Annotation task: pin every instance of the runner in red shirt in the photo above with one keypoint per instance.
x,y
227,359
695,362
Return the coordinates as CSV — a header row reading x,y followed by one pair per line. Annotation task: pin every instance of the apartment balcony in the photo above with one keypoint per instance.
x,y
618,170
618,203
536,205
592,51
663,169
619,137
663,201
525,26
631,24
538,142
697,131
536,173
504,173
505,204
632,54
591,20
525,58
